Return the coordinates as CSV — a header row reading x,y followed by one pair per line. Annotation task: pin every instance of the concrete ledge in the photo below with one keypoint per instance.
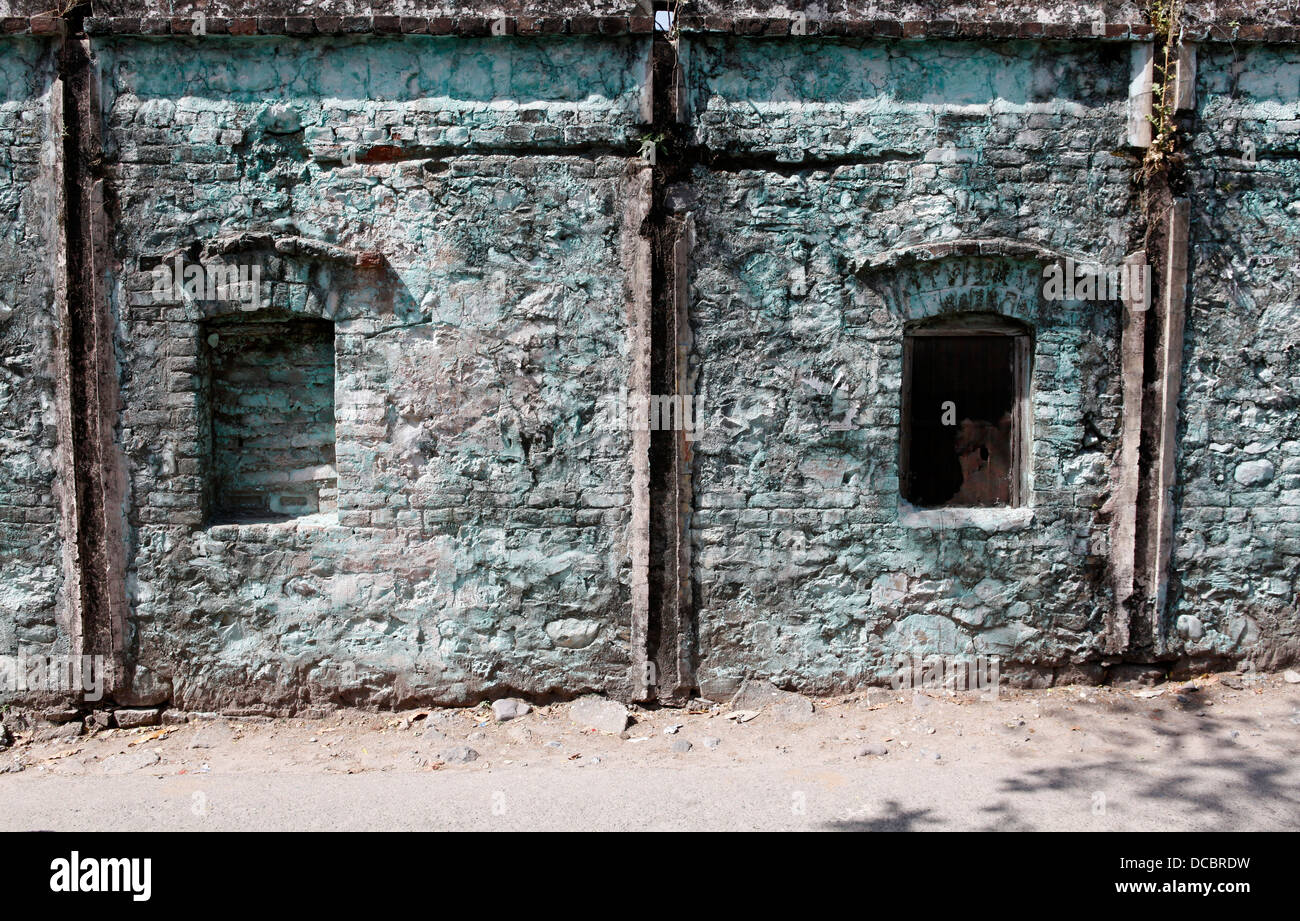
x,y
260,530
303,26
990,520
755,27
939,27
919,253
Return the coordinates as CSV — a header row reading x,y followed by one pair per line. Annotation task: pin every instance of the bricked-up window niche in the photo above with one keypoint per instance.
x,y
269,383
965,411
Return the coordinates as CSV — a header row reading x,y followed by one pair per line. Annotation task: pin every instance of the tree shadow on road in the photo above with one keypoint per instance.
x,y
1201,772
1172,763
893,818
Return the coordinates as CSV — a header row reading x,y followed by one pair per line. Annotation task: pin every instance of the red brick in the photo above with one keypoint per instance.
x,y
47,25
472,25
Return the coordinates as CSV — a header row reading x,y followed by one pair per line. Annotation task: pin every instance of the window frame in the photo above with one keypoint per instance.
x,y
215,512
976,325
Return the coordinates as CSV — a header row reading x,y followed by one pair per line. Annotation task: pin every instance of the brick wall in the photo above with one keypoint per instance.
x,y
1238,502
482,534
810,569
465,206
33,611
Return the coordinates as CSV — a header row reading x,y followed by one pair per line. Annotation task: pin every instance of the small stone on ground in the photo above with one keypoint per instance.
x,y
598,713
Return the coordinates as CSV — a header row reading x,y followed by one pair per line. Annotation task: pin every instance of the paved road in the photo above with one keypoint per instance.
x,y
1177,795
1209,758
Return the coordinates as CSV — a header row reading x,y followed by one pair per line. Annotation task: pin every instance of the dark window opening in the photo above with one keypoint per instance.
x,y
964,400
270,384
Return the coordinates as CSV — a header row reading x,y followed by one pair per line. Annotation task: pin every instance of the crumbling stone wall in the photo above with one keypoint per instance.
x,y
34,609
860,186
448,206
1234,589
512,217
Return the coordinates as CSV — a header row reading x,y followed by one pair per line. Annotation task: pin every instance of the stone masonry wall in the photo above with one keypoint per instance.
x,y
455,207
810,569
34,612
1237,544
503,219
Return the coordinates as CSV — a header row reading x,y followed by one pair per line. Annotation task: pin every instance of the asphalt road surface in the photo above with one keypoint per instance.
x,y
1213,758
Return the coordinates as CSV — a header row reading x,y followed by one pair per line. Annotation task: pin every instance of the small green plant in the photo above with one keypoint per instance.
x,y
649,144
1166,18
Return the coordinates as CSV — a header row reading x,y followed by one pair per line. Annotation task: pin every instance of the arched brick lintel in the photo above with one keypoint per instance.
x,y
992,276
294,275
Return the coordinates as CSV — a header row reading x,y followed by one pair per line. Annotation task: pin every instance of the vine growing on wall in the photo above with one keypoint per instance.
x,y
1166,19
675,31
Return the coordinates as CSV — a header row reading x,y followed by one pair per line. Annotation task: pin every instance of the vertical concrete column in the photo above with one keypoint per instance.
x,y
1142,77
92,387
636,249
1167,243
671,634
1126,474
1169,358
677,642
1169,371
1185,81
